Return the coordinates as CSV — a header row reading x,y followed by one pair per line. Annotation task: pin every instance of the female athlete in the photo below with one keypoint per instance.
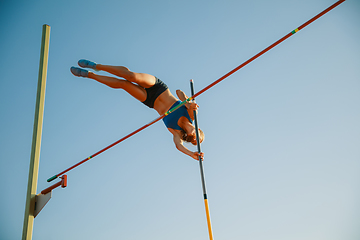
x,y
154,93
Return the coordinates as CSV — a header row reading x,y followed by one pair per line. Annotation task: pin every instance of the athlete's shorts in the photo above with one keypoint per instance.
x,y
153,92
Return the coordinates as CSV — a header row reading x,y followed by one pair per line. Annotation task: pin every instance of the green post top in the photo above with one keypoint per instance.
x,y
52,178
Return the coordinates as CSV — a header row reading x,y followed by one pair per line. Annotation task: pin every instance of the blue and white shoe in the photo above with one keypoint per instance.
x,y
87,64
79,72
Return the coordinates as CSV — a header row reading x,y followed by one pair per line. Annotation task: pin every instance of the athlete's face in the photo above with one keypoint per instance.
x,y
193,134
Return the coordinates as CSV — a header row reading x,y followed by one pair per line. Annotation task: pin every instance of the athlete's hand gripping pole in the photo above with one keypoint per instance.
x,y
201,165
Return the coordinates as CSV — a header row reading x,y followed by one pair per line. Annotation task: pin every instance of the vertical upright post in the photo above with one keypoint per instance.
x,y
36,141
201,167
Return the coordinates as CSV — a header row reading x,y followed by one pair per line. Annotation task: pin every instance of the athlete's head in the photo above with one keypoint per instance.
x,y
191,138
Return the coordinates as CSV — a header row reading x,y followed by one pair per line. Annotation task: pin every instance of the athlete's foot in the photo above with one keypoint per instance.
x,y
79,72
87,64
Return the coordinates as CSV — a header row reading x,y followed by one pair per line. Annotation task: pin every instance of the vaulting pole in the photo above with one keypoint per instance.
x,y
204,89
36,141
201,167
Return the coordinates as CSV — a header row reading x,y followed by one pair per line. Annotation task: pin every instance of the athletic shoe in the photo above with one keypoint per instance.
x,y
79,72
87,64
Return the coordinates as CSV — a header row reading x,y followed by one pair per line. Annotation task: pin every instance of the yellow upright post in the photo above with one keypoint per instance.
x,y
36,141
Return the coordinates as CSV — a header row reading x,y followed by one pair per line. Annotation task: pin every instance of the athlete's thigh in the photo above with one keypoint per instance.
x,y
134,90
144,80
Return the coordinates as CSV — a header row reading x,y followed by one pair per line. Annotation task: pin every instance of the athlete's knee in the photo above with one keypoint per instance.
x,y
127,74
125,84
132,77
117,83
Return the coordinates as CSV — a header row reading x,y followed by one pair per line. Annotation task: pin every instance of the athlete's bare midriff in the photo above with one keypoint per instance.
x,y
164,102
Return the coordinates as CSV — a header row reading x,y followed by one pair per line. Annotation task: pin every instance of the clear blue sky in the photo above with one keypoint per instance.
x,y
282,134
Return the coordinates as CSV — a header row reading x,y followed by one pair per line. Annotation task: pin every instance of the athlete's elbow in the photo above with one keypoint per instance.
x,y
179,146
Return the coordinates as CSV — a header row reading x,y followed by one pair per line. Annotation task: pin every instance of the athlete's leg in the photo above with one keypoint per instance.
x,y
134,90
143,79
